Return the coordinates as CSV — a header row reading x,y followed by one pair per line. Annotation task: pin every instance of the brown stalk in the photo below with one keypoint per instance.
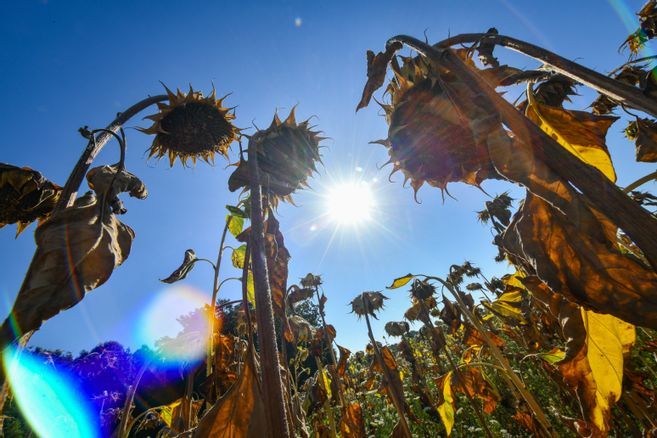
x,y
618,91
123,428
509,373
94,147
604,195
396,398
426,320
273,390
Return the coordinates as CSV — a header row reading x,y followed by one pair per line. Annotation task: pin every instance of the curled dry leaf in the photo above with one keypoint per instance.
x,y
182,270
351,422
25,196
298,294
581,262
240,412
277,264
377,65
109,181
301,329
342,362
77,250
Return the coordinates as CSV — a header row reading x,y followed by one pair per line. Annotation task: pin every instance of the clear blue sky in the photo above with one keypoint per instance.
x,y
65,64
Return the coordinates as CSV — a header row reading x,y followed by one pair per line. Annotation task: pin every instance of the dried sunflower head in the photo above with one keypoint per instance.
x,y
287,155
422,289
191,126
368,303
430,139
397,328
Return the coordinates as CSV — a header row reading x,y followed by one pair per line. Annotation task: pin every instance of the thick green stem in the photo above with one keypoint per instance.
x,y
271,371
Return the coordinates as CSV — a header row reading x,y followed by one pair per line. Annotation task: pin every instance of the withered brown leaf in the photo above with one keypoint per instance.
x,y
240,413
575,256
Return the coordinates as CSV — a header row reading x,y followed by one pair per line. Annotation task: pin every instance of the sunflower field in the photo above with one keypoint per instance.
x,y
563,344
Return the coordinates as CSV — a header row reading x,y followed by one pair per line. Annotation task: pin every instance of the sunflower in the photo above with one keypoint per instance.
x,y
191,126
287,155
429,139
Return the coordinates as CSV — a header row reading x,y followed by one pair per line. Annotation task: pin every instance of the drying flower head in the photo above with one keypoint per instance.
x,y
367,303
287,156
422,289
191,126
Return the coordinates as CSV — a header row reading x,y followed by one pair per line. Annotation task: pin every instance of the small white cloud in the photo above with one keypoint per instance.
x,y
298,22
359,169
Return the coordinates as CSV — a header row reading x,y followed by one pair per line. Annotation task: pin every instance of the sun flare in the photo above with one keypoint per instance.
x,y
350,203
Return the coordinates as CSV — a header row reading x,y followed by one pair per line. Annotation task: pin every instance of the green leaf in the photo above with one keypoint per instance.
x,y
238,256
238,212
553,356
401,281
236,224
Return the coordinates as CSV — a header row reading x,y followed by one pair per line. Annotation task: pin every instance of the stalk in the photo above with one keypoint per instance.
x,y
641,181
129,401
94,147
475,407
616,90
213,303
386,375
271,373
603,195
497,354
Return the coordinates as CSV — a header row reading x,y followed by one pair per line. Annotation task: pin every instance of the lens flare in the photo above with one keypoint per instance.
x,y
350,203
50,401
174,327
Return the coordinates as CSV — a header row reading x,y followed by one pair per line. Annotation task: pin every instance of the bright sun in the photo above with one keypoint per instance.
x,y
350,203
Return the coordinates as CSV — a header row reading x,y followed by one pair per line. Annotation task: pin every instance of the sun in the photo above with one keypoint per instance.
x,y
350,203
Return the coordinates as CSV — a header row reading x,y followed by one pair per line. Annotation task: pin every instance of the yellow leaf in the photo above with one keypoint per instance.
x,y
581,133
446,409
166,412
238,256
401,281
553,356
607,339
236,224
596,372
508,304
250,289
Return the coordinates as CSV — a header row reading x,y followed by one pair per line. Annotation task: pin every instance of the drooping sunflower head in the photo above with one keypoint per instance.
x,y
191,126
422,289
429,138
287,153
368,303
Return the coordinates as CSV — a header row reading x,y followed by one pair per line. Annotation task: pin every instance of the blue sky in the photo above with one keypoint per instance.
x,y
65,64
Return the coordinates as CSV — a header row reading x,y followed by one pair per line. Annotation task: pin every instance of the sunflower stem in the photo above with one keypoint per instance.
x,y
271,371
510,375
392,392
213,303
94,147
616,90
